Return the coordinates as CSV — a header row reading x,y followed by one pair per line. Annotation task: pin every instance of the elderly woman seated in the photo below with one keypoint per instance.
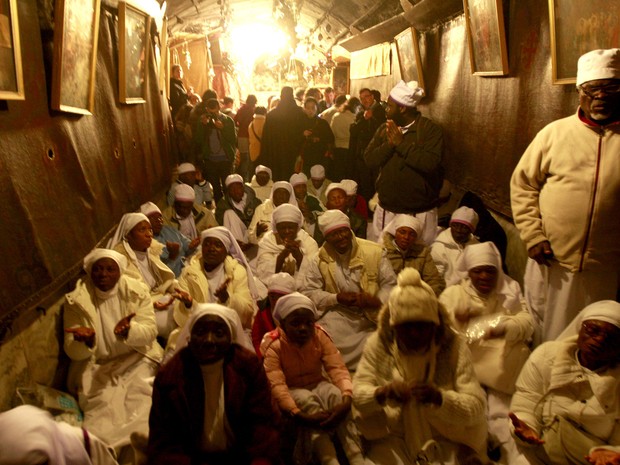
x,y
566,409
110,333
285,246
487,307
212,401
403,249
281,193
133,239
415,394
218,274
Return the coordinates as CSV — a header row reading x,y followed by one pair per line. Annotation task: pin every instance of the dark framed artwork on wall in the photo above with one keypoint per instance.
x,y
486,37
409,59
134,50
75,55
340,79
11,74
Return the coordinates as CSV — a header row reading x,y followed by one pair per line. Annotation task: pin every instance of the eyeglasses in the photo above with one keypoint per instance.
x,y
594,330
593,91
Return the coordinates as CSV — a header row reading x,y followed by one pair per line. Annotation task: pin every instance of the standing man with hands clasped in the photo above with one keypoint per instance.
x,y
565,195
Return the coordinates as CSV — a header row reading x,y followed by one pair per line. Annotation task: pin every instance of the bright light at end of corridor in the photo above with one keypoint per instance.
x,y
249,41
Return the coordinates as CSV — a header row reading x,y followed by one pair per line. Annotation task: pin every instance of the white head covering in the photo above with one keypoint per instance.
x,y
149,208
184,193
289,303
407,94
30,436
331,220
298,178
97,254
465,215
281,283
262,169
230,317
231,244
334,185
349,186
403,220
233,178
412,300
186,168
286,212
485,254
284,185
603,310
125,225
598,64
317,172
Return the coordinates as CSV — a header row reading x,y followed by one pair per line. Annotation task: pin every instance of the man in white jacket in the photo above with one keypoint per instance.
x,y
565,195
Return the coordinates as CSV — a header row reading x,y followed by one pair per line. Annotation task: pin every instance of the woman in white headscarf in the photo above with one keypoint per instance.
x,y
211,400
404,249
110,336
281,193
220,273
30,436
566,408
133,239
284,247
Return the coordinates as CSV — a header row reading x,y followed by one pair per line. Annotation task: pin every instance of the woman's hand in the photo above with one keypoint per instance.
x,y
163,304
83,334
222,292
261,228
338,413
524,432
173,249
183,297
396,390
365,300
195,242
427,394
122,327
603,457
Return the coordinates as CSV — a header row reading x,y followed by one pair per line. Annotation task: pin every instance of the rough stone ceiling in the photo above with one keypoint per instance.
x,y
326,22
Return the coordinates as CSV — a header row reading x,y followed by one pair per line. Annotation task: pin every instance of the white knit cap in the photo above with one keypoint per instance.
x,y
186,168
233,178
262,169
334,185
184,193
149,208
465,215
286,212
483,254
332,220
289,303
299,178
412,300
317,172
281,283
598,64
97,254
407,94
403,220
349,186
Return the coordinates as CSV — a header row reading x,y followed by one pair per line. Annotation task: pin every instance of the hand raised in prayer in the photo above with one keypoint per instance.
x,y
122,327
365,300
367,114
541,253
603,457
173,249
295,248
183,297
393,133
396,390
312,420
195,242
524,432
348,299
222,292
337,414
427,394
83,334
261,228
163,303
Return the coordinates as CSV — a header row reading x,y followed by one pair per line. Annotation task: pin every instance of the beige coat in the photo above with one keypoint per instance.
x,y
203,218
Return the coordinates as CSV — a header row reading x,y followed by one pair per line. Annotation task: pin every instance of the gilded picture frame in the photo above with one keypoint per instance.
x,y
76,36
486,37
409,58
576,28
11,72
134,51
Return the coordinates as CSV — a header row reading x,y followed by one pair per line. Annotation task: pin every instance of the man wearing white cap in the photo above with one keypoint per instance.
x,y
261,182
408,151
565,196
451,243
317,185
185,215
309,205
348,279
188,175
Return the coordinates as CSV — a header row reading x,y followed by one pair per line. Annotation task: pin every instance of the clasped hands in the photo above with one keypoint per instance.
x,y
393,133
358,299
328,419
403,392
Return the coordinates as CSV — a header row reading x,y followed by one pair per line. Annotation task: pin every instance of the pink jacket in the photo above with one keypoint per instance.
x,y
289,366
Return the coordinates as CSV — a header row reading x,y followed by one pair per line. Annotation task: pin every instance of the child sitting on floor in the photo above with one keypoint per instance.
x,y
298,354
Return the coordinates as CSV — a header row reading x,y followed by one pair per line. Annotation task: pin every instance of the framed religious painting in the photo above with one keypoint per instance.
x,y
486,37
11,74
134,50
76,32
578,27
340,79
409,58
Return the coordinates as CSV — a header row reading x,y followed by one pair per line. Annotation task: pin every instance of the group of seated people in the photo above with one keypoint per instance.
x,y
274,332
